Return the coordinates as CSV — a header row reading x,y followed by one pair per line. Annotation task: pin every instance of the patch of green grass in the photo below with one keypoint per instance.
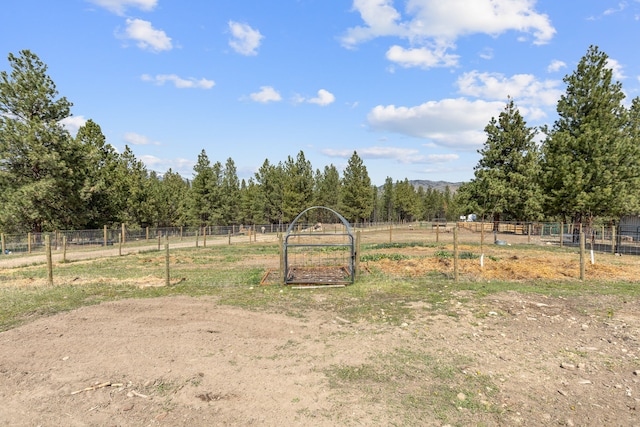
x,y
414,384
443,254
400,245
378,257
462,255
468,255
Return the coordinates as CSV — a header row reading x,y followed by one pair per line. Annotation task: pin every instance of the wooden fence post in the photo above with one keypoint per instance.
x,y
613,239
123,234
561,234
4,245
47,248
104,235
64,248
356,273
167,275
281,247
455,253
582,253
29,242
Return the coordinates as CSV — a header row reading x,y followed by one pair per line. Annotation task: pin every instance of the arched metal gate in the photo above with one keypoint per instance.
x,y
319,253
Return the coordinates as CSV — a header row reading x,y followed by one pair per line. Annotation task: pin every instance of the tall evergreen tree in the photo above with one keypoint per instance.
x,y
170,199
270,180
36,171
357,196
137,207
590,163
297,186
230,194
387,200
98,190
251,208
327,191
204,196
506,184
405,201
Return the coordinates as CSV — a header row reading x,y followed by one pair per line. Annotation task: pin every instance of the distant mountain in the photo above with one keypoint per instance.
x,y
436,185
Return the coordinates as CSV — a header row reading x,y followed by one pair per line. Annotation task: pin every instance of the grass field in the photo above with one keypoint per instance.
x,y
410,268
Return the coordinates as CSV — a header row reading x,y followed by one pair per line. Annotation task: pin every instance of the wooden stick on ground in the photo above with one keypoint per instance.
x,y
97,386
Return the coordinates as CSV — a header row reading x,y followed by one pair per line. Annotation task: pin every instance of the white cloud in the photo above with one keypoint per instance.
x,y
616,67
119,6
179,82
437,24
380,17
421,57
137,139
245,39
611,11
182,166
401,155
441,158
73,123
146,36
556,65
449,122
486,53
324,98
266,94
523,88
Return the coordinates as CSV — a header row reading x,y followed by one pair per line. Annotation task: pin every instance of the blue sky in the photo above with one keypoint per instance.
x,y
409,85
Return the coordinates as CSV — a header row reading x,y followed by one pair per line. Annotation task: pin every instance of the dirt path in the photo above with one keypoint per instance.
x,y
19,260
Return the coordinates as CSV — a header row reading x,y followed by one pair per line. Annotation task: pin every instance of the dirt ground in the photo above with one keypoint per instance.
x,y
185,361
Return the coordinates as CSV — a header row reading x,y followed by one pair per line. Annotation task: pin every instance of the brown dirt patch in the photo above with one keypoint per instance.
x,y
190,361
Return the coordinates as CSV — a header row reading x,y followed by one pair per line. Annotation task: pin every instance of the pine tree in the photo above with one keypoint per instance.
x,y
328,191
36,152
590,163
506,182
405,201
98,191
230,194
387,198
169,199
357,195
297,186
135,192
204,197
270,180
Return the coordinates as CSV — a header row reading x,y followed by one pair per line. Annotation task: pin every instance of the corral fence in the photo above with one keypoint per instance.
x,y
621,239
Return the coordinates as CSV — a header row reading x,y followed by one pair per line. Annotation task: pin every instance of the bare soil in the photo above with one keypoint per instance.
x,y
182,361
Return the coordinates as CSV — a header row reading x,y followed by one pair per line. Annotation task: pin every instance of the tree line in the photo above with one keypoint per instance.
x,y
587,166
51,180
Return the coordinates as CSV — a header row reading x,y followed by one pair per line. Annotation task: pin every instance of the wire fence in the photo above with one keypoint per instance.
x,y
620,239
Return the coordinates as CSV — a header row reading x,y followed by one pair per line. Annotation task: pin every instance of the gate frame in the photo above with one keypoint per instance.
x,y
348,233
